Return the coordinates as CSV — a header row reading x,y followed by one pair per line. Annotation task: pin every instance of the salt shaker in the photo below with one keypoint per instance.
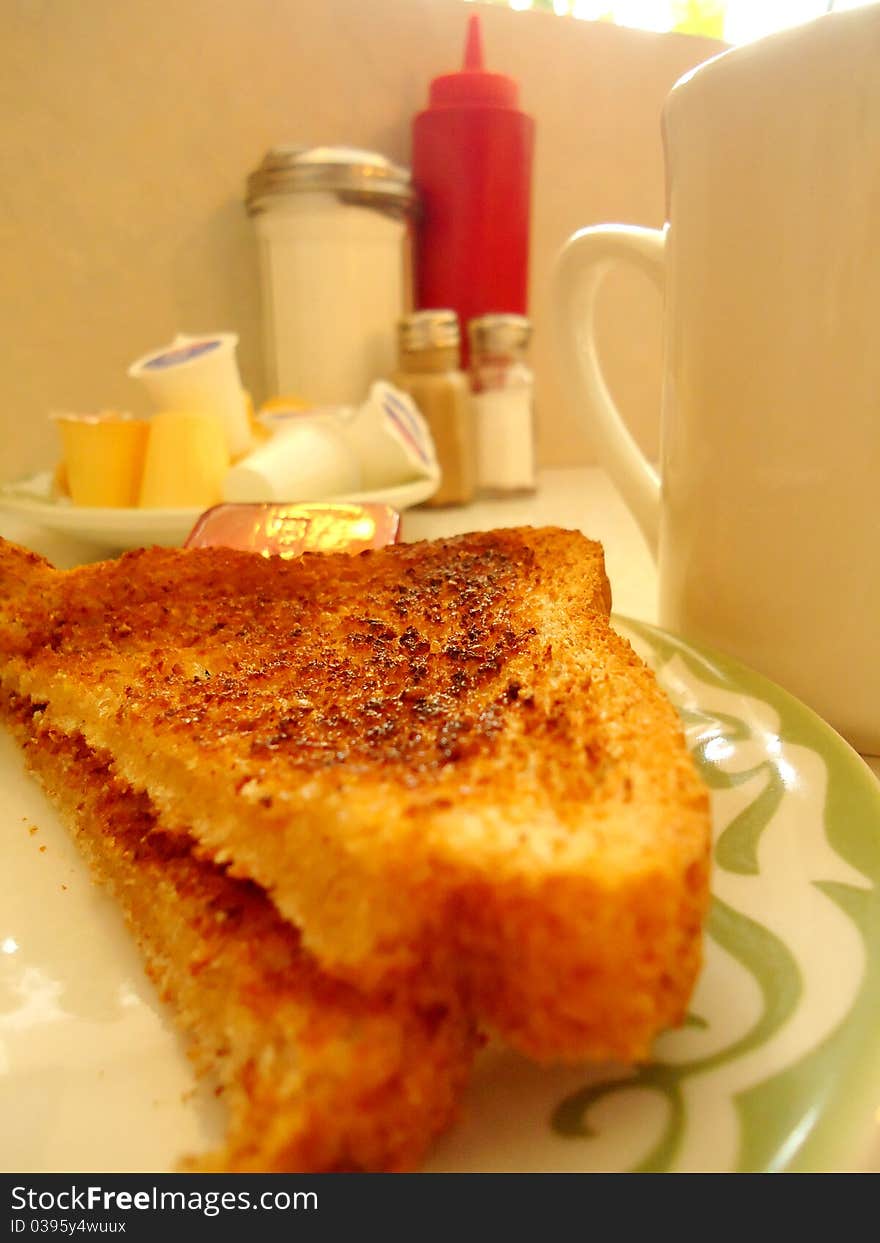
x,y
502,384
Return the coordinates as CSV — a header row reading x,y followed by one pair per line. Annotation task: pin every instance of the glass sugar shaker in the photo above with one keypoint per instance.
x,y
502,385
334,228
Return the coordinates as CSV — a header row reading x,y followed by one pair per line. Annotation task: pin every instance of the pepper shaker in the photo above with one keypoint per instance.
x,y
430,371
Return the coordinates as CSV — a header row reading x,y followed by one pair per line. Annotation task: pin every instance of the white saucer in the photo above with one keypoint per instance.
x,y
32,500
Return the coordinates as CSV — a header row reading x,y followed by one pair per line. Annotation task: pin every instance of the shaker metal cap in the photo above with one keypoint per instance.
x,y
498,333
425,330
355,176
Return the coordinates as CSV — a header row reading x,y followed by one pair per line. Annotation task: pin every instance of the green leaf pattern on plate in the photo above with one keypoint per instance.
x,y
782,1033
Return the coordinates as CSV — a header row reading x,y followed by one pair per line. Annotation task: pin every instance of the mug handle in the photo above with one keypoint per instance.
x,y
583,262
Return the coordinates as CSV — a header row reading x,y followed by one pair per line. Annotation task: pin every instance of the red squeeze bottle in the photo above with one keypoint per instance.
x,y
472,165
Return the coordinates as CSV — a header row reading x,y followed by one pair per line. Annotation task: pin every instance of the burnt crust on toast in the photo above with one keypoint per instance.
x,y
435,754
316,1076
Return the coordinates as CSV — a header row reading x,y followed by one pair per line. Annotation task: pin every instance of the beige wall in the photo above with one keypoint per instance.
x,y
127,129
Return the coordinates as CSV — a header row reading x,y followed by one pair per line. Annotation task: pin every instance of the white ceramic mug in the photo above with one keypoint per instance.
x,y
765,513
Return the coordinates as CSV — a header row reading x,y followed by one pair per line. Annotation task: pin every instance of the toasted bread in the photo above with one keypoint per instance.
x,y
436,753
316,1076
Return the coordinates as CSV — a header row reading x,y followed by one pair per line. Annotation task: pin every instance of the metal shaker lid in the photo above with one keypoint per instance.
x,y
425,330
355,176
499,333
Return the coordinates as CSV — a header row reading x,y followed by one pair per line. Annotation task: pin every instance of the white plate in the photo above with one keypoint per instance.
x,y
120,529
778,1068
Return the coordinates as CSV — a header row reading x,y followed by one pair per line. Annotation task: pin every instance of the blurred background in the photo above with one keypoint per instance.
x,y
127,132
736,21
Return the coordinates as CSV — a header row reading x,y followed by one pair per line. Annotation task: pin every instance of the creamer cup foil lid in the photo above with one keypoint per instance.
x,y
391,438
182,351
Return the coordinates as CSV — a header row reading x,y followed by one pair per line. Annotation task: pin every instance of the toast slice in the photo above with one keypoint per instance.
x,y
316,1076
433,756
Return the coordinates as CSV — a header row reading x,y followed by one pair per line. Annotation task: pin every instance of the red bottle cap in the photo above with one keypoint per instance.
x,y
473,86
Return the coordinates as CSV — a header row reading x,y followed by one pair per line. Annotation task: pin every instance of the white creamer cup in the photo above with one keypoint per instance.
x,y
199,374
391,439
307,459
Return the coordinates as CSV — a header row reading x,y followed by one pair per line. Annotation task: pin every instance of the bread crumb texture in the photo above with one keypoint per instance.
x,y
436,759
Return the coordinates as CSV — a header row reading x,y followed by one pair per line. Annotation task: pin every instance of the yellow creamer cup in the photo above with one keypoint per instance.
x,y
186,462
267,420
284,403
103,457
60,486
